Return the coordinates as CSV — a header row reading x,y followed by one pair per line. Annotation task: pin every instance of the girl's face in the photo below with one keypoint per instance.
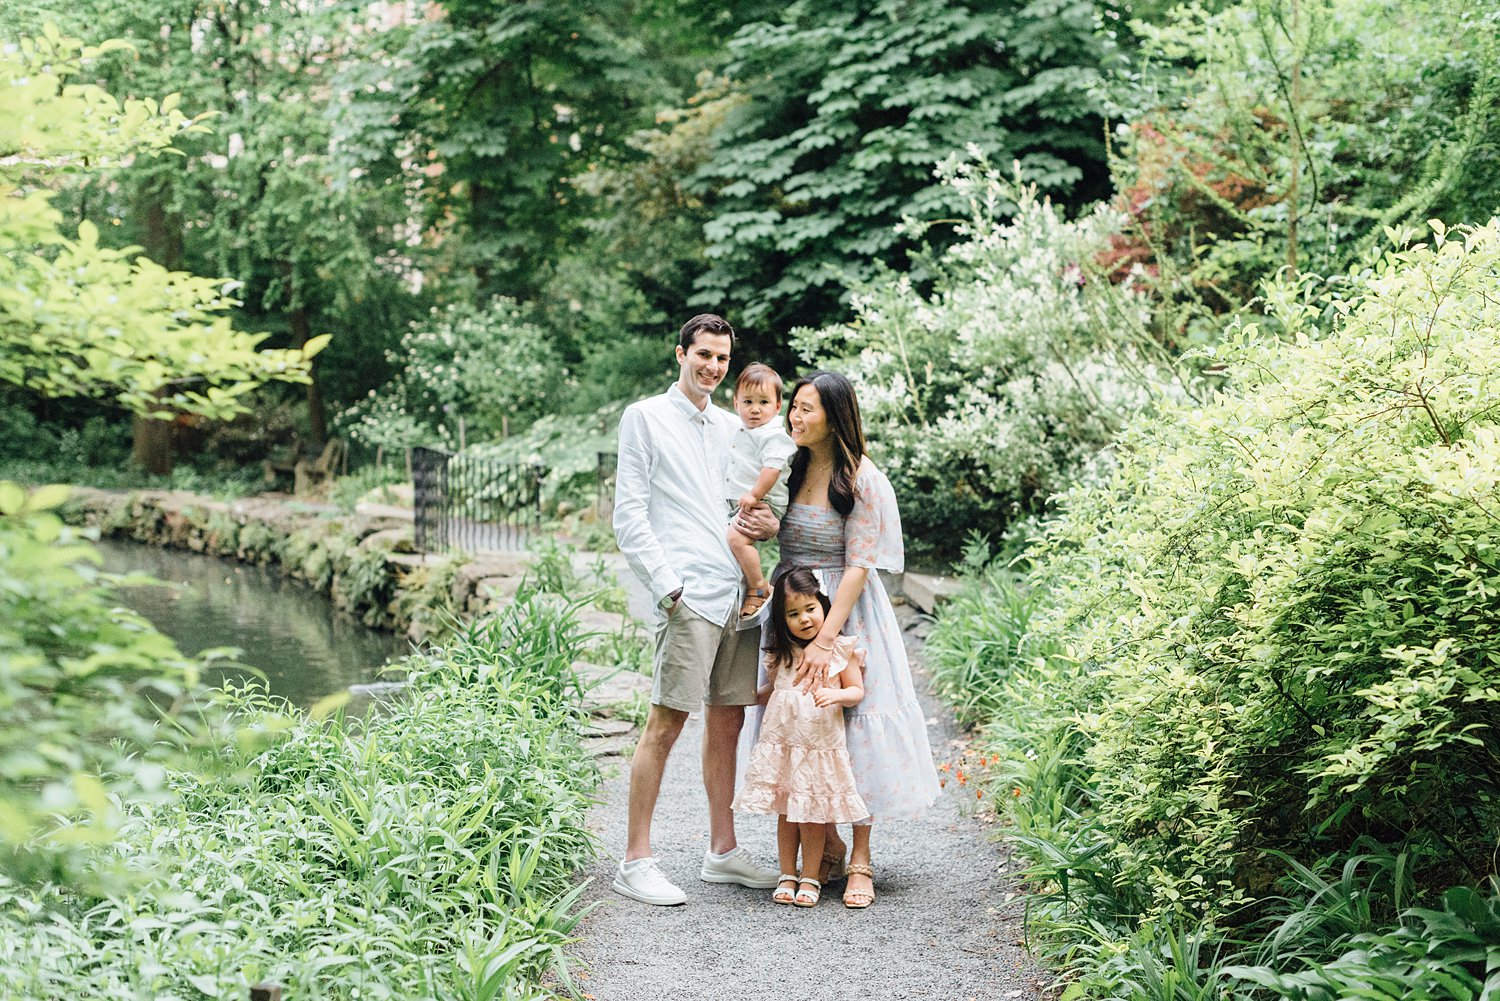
x,y
804,615
807,423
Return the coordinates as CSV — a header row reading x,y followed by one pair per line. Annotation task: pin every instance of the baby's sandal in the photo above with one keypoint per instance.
x,y
807,898
784,894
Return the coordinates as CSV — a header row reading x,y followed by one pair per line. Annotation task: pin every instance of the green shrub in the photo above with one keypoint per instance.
x,y
1286,598
83,686
998,388
428,851
1452,954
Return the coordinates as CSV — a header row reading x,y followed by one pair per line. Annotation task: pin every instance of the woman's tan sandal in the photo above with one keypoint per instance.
x,y
784,894
807,898
833,868
857,900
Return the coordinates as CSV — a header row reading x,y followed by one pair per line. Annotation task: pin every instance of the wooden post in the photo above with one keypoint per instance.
x,y
265,992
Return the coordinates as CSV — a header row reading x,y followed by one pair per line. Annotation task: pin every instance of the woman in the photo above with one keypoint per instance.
x,y
843,522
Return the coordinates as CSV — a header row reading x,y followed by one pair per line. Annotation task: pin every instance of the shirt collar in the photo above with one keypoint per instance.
x,y
685,406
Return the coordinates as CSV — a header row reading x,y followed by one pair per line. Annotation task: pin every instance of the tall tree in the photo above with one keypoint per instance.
x,y
486,107
852,105
78,318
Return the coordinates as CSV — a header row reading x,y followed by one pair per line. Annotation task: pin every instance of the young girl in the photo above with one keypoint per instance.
x,y
799,768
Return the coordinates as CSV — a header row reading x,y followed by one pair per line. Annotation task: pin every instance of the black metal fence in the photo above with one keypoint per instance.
x,y
474,504
604,495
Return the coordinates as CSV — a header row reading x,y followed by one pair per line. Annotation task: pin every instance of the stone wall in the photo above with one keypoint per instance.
x,y
364,561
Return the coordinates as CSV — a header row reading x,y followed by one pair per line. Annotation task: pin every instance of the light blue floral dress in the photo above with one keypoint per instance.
x,y
886,733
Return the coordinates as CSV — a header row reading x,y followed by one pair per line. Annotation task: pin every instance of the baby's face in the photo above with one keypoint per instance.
x,y
756,405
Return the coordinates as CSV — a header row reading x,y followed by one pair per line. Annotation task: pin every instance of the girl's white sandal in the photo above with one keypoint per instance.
x,y
807,898
783,896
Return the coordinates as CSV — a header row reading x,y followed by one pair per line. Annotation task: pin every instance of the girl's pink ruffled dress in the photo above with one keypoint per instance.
x,y
800,767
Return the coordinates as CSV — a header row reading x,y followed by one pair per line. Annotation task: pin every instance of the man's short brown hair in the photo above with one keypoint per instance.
x,y
703,323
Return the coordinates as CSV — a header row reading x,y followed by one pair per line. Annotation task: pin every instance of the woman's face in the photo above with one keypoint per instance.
x,y
807,423
804,615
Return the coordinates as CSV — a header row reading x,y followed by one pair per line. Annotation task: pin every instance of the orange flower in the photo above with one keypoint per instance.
x,y
1018,792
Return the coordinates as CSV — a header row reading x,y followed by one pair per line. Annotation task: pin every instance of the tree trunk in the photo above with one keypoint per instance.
x,y
161,239
151,445
317,412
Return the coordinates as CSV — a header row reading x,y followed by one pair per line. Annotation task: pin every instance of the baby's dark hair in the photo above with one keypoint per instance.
x,y
758,376
783,646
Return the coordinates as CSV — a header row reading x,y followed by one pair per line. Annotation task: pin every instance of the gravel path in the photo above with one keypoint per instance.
x,y
942,926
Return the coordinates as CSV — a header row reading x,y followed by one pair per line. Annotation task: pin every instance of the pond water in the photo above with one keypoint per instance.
x,y
304,647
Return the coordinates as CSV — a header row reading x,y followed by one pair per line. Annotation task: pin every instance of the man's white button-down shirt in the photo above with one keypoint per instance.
x,y
670,515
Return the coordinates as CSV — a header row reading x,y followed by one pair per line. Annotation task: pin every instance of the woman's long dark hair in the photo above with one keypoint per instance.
x,y
783,646
841,411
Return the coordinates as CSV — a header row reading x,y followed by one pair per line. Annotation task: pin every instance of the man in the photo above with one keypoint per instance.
x,y
669,520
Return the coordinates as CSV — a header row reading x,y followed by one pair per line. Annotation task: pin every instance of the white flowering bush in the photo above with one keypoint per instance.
x,y
494,367
986,395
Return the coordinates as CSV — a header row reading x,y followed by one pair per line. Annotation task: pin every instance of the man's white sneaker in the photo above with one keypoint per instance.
x,y
736,866
642,880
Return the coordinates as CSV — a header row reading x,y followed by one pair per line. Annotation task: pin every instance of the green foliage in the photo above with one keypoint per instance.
x,y
567,447
483,111
494,368
850,107
83,684
76,317
428,851
1267,133
982,636
991,393
1434,955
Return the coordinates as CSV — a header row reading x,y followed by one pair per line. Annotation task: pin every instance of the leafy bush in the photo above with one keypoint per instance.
x,y
567,447
427,851
991,393
1276,620
1266,134
494,368
82,683
1434,955
851,104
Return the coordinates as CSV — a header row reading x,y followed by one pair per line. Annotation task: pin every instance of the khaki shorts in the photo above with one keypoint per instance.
x,y
701,662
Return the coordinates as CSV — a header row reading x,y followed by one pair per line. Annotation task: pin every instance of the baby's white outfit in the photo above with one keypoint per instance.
x,y
750,451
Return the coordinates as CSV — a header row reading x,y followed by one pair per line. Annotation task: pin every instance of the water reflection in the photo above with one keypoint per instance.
x,y
304,646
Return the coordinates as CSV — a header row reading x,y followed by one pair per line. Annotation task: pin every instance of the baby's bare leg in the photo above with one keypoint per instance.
x,y
746,555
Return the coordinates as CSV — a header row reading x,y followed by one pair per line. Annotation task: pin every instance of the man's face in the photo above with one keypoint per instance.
x,y
703,365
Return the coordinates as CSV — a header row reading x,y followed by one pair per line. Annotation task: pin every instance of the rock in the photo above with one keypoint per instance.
x,y
466,579
603,747
607,687
927,591
411,561
595,620
372,518
395,540
603,726
490,593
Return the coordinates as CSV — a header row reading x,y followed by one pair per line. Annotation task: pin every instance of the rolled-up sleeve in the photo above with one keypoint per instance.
x,y
632,519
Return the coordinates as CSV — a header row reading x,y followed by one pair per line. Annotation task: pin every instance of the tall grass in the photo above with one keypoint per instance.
x,y
427,851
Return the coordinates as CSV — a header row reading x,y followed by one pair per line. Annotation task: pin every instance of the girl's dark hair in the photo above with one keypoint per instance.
x,y
783,645
841,410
